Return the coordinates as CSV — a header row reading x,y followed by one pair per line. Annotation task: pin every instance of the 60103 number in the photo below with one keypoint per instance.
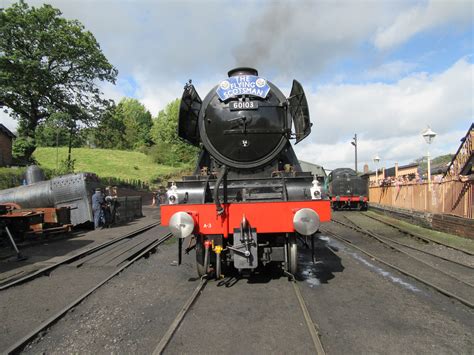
x,y
243,105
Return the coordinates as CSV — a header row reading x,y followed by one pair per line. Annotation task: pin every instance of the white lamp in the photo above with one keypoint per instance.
x,y
429,136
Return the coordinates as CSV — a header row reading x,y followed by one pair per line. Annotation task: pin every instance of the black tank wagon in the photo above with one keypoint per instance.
x,y
347,190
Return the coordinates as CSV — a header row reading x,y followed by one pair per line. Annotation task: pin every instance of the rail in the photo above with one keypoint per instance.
x,y
414,273
21,343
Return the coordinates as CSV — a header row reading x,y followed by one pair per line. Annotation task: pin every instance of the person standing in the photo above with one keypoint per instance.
x,y
97,202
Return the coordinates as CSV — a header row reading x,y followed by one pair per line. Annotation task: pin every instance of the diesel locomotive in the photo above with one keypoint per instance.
x,y
248,201
347,190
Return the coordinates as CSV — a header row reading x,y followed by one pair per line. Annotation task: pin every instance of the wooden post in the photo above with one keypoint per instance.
x,y
465,203
426,195
443,196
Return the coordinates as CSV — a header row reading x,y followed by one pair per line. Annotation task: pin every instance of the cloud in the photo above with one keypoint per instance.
x,y
174,40
158,45
390,150
389,117
8,121
421,18
304,38
390,71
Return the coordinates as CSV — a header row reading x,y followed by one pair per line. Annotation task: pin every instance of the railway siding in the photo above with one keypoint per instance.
x,y
364,307
39,306
455,284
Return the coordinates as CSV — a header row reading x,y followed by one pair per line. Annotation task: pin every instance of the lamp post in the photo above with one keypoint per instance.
x,y
429,136
354,143
376,161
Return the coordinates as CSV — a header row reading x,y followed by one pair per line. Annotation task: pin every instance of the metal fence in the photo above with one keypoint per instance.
x,y
452,197
129,208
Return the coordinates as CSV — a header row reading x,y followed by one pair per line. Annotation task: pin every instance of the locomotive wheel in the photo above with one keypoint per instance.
x,y
292,254
201,268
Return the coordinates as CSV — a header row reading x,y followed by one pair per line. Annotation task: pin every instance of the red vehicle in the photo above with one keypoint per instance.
x,y
248,200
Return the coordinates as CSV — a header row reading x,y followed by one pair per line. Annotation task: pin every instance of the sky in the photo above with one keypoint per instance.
x,y
384,70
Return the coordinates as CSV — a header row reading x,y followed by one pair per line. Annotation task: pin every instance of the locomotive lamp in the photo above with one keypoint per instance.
x,y
316,190
172,194
429,136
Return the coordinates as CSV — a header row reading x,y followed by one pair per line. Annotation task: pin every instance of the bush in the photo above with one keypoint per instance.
x,y
11,177
21,147
168,154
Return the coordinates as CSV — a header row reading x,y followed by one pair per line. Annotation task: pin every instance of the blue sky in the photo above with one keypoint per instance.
x,y
381,69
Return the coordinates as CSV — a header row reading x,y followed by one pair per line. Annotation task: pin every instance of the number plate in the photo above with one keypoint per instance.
x,y
243,105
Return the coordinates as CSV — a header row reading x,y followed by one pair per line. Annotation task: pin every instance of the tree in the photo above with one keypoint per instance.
x,y
165,134
125,126
137,120
442,160
49,64
109,133
56,131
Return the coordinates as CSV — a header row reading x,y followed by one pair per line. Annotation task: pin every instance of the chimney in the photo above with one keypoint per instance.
x,y
396,170
242,71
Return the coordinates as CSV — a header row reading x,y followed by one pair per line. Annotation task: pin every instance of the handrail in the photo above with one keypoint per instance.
x,y
467,139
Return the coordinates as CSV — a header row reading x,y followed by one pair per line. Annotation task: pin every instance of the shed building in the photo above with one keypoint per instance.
x,y
6,144
316,170
409,170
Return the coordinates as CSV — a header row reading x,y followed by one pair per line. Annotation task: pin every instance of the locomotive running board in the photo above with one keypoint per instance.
x,y
265,217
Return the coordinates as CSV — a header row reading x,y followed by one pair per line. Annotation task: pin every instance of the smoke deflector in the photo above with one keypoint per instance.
x,y
299,112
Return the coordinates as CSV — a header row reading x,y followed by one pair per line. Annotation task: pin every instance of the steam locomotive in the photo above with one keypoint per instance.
x,y
248,200
347,190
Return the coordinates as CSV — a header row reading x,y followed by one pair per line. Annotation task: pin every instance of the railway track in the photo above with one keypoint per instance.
x,y
15,281
129,255
418,236
312,327
389,240
421,271
467,270
168,336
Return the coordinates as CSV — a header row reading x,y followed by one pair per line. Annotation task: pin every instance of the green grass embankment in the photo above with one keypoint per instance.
x,y
124,165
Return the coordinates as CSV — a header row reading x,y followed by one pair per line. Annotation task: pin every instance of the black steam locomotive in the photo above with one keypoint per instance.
x,y
347,190
248,199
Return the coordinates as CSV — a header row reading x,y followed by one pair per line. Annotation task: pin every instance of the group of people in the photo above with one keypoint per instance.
x,y
159,197
397,181
404,180
104,206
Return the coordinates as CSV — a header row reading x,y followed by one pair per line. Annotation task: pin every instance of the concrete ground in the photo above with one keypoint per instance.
x,y
364,307
359,305
57,247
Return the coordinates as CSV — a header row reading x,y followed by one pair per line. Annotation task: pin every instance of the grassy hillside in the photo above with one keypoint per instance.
x,y
120,164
